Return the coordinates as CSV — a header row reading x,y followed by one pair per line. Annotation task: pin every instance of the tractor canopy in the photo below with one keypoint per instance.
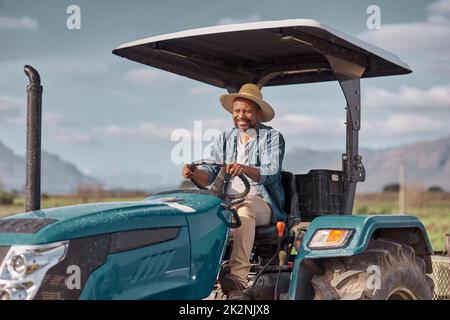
x,y
274,53
266,53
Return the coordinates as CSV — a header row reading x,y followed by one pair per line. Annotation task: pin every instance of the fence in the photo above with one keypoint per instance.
x,y
441,277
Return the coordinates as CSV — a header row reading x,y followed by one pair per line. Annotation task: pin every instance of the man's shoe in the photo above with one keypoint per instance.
x,y
247,294
231,283
225,270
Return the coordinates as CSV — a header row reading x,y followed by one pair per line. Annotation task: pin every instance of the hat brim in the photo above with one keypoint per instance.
x,y
267,111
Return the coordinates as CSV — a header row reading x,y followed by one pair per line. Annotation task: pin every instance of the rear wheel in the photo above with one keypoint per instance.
x,y
387,270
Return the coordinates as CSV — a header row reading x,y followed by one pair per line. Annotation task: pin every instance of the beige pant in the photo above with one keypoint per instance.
x,y
254,211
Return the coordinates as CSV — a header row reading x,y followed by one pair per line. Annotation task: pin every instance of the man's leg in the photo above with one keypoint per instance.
x,y
254,211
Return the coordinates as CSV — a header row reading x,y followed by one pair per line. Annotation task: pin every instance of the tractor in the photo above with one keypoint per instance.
x,y
175,244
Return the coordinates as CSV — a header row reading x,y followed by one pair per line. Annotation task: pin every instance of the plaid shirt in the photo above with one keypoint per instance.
x,y
266,153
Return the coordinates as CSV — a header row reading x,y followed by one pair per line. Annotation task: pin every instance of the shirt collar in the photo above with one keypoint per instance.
x,y
250,132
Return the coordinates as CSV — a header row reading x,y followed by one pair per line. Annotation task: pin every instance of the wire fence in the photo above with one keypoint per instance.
x,y
441,277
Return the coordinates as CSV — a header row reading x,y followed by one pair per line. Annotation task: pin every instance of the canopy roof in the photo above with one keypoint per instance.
x,y
270,53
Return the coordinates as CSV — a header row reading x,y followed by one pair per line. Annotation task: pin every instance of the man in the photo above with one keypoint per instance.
x,y
257,151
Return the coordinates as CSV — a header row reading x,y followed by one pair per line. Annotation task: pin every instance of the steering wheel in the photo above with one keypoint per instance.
x,y
219,184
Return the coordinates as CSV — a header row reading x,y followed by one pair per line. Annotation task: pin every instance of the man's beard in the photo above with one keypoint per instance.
x,y
250,125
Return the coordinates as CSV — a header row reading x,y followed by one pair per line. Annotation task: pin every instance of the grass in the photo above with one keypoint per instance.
x,y
433,209
60,201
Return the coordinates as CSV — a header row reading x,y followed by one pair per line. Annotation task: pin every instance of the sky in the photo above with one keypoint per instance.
x,y
109,115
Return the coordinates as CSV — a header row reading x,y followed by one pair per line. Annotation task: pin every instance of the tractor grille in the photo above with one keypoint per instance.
x,y
441,277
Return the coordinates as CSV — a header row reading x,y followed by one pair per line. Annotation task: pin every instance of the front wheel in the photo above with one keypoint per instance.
x,y
387,270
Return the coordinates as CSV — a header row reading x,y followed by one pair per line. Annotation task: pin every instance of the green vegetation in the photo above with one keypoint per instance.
x,y
433,209
6,198
435,189
394,187
59,201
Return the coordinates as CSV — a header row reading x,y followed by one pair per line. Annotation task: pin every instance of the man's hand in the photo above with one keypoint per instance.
x,y
235,169
188,171
191,172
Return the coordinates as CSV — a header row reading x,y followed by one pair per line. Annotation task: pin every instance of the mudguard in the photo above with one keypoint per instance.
x,y
363,228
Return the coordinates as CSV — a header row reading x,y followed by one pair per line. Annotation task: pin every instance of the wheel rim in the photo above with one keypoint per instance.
x,y
401,294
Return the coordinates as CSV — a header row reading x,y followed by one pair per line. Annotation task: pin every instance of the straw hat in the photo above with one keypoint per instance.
x,y
251,92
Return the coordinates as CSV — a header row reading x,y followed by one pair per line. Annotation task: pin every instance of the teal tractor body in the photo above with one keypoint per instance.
x,y
151,249
167,246
399,228
175,244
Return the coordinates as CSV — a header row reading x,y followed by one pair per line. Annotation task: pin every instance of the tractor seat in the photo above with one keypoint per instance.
x,y
269,234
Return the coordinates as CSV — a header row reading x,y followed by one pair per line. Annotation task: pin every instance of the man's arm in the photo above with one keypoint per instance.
x,y
208,173
201,177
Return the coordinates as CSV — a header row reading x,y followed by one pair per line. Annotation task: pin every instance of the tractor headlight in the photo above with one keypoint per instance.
x,y
24,268
17,266
13,294
330,238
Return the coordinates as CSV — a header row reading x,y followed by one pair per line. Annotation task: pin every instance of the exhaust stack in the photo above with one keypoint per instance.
x,y
33,157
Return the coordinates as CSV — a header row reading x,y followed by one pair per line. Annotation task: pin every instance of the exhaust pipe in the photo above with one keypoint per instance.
x,y
33,157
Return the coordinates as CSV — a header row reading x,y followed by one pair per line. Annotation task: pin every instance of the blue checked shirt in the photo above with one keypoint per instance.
x,y
266,152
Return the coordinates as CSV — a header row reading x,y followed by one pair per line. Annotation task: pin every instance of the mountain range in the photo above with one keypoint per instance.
x,y
57,176
426,163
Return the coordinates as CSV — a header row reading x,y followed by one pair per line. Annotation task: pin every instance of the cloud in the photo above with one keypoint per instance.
x,y
441,7
70,137
151,78
12,110
419,36
403,124
11,105
434,98
24,23
311,132
202,91
292,123
53,119
298,130
251,18
425,43
76,67
218,123
144,131
54,69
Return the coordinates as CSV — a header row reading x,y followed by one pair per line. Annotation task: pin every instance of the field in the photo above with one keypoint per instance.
x,y
432,208
60,201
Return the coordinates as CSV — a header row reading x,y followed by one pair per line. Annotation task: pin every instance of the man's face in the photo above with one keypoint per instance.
x,y
246,114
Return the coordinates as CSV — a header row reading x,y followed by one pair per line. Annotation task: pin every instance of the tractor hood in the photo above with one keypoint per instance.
x,y
64,223
269,53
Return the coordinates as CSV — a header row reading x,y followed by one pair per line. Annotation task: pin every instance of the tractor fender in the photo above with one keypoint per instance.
x,y
402,228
